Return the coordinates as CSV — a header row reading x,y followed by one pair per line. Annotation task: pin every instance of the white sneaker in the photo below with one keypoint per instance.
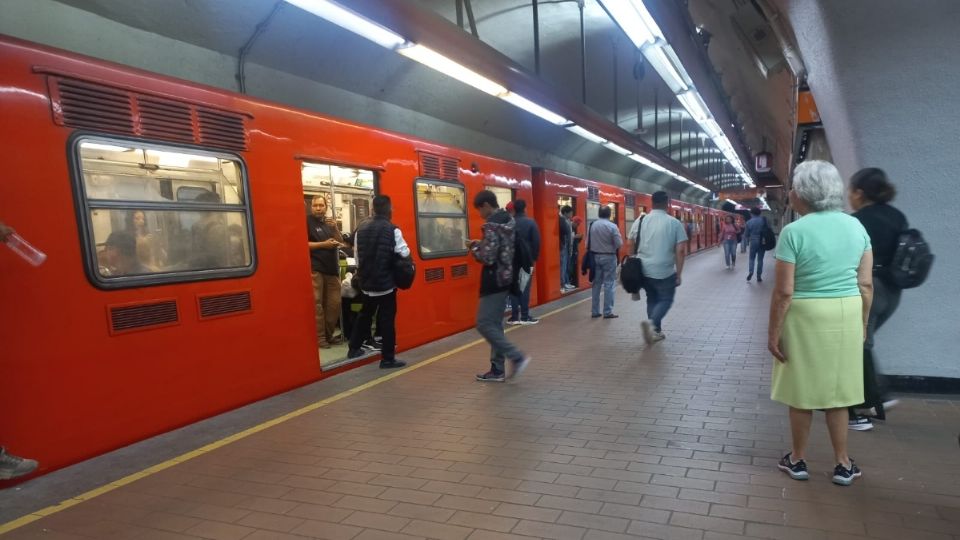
x,y
514,368
659,336
647,328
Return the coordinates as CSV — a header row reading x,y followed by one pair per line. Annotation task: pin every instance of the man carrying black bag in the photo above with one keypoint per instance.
x,y
379,244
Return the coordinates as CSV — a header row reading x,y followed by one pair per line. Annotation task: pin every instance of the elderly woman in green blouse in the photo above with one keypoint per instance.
x,y
818,313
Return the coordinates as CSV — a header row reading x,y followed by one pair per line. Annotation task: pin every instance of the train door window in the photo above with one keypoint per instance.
x,y
349,192
155,214
614,208
629,214
504,195
441,219
566,200
593,212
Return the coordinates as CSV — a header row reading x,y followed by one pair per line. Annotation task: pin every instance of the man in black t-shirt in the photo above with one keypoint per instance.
x,y
324,240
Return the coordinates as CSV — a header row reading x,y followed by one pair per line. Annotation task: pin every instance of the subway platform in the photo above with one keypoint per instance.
x,y
601,438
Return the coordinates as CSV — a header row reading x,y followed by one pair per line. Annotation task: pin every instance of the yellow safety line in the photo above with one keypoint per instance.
x,y
96,492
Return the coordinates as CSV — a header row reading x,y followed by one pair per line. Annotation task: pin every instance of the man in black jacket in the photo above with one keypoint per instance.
x,y
527,232
496,252
378,242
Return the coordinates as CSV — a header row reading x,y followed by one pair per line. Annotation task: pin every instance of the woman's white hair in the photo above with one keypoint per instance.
x,y
819,184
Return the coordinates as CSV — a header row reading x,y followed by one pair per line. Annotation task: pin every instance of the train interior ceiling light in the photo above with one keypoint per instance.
x,y
637,23
388,39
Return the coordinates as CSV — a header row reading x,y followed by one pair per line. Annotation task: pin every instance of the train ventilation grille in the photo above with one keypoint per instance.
x,y
439,167
433,274
224,304
87,105
141,316
458,271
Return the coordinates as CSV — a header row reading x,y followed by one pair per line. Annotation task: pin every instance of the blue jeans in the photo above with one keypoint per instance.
x,y
730,252
606,277
756,254
660,294
564,265
520,304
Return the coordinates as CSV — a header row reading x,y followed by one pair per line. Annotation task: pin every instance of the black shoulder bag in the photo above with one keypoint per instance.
x,y
631,273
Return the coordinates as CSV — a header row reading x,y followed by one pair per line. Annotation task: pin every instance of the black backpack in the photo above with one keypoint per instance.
x,y
911,261
768,240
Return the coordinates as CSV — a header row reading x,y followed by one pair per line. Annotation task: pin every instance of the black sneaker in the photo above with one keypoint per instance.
x,y
490,376
749,276
860,423
371,345
797,471
529,320
759,279
392,364
356,353
843,476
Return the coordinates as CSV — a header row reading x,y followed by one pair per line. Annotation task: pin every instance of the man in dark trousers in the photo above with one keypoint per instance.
x,y
526,231
378,242
324,240
496,252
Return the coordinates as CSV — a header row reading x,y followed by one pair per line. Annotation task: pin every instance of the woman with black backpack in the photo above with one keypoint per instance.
x,y
869,195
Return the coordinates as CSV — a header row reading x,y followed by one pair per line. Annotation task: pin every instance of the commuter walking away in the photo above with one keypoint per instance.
x,y
324,241
742,238
497,279
526,231
604,241
662,250
728,237
566,245
869,195
753,233
818,312
378,243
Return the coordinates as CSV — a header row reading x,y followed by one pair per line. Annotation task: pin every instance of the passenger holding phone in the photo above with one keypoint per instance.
x,y
324,239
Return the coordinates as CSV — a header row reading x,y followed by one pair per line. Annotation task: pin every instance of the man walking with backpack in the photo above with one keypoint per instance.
x,y
496,251
528,234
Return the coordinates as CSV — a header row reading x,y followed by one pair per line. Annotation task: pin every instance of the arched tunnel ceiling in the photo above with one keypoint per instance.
x,y
303,45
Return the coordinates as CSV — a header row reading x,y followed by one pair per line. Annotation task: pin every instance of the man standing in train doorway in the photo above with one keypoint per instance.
x,y
662,249
379,242
497,279
324,240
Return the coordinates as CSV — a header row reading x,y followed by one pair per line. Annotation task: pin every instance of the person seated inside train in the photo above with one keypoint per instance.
x,y
210,240
119,256
149,251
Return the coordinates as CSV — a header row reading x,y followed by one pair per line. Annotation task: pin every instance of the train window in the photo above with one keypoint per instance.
x,y
629,214
504,195
155,214
349,192
613,211
566,200
441,219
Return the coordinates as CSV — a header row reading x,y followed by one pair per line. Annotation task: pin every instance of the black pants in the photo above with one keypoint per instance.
x,y
886,299
385,308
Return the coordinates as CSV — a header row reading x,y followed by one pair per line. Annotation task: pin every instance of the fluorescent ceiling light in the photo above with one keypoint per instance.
x,y
441,63
617,148
669,72
533,108
351,21
634,20
694,104
586,134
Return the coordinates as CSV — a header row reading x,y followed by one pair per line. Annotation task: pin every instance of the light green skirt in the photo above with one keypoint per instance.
x,y
823,342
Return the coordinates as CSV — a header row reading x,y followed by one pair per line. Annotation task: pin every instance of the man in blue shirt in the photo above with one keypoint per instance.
x,y
662,249
604,241
753,232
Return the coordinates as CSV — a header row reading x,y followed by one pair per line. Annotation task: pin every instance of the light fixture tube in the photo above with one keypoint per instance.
x,y
634,19
694,104
617,148
351,21
665,67
586,134
441,63
532,108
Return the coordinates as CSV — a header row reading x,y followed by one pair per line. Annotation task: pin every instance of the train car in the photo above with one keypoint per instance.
x,y
554,190
178,282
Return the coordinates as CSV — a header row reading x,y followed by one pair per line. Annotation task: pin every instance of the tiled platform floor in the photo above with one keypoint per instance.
x,y
600,439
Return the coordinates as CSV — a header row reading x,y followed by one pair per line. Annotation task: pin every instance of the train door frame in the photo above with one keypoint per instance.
x,y
574,201
330,360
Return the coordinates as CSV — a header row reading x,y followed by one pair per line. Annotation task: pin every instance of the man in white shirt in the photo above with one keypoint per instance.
x,y
662,249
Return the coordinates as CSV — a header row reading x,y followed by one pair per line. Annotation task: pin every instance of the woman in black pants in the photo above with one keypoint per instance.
x,y
870,193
